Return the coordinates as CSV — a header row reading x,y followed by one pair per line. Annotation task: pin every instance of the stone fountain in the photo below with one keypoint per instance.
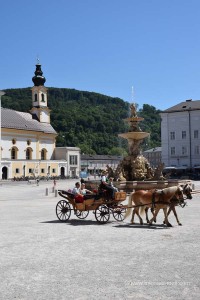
x,y
134,166
134,169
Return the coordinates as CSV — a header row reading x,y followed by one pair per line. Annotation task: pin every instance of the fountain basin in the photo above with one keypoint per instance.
x,y
134,119
134,135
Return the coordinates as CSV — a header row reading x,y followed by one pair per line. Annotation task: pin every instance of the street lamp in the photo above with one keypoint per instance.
x,y
1,94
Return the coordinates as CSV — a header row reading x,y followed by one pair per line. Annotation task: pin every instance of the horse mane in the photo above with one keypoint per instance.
x,y
187,187
172,189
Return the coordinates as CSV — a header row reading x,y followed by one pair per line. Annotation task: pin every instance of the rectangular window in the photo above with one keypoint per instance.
x,y
196,134
196,150
30,170
172,135
184,150
183,135
73,159
42,170
17,171
173,151
53,170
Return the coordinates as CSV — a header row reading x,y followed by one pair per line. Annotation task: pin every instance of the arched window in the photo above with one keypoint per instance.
x,y
43,154
35,97
43,98
14,153
28,153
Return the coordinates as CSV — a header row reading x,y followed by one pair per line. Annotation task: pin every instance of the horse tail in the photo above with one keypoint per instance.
x,y
128,211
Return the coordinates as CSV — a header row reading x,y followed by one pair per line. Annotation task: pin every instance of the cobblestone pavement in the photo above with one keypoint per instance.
x,y
43,258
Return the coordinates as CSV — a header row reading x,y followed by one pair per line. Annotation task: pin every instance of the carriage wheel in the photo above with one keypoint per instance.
x,y
119,213
82,214
102,214
63,210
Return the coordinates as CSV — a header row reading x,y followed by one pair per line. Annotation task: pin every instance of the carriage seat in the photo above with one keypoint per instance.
x,y
69,194
89,196
72,196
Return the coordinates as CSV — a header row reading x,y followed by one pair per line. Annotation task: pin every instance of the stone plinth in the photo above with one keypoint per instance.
x,y
130,186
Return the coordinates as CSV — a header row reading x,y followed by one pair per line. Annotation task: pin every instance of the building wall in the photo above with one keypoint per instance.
x,y
153,156
60,153
56,162
20,166
37,143
73,167
182,150
94,164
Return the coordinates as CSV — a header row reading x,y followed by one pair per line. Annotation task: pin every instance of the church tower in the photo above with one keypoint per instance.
x,y
39,110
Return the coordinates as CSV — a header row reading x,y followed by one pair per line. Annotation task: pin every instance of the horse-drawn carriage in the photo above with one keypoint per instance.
x,y
102,204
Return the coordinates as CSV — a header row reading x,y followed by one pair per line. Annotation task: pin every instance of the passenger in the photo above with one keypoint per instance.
x,y
112,184
84,191
77,193
106,185
104,178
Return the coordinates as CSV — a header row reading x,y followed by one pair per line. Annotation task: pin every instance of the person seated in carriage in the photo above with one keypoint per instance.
x,y
78,196
107,184
111,179
83,190
81,193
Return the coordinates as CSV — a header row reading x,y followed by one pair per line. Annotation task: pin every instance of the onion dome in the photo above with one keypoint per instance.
x,y
38,79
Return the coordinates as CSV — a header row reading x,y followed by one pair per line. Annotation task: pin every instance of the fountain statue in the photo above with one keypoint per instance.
x,y
135,166
134,171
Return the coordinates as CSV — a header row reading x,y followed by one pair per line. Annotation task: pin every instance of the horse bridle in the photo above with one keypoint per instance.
x,y
181,201
187,191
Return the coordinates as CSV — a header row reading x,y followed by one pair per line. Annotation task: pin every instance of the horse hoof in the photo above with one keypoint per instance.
x,y
179,224
169,225
150,224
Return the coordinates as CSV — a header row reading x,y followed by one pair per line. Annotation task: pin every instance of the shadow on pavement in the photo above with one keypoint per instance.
x,y
74,222
145,226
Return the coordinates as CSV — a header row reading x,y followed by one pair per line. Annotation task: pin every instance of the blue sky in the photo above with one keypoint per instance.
x,y
104,46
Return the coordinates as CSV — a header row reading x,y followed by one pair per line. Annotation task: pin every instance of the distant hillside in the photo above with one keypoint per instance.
x,y
88,120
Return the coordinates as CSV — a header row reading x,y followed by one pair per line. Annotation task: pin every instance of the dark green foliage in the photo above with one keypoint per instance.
x,y
87,120
151,124
18,99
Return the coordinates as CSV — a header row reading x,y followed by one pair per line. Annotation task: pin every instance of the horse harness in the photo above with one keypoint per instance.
x,y
160,201
157,192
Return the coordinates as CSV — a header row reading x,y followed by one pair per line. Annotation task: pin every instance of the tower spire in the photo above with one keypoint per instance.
x,y
39,110
38,79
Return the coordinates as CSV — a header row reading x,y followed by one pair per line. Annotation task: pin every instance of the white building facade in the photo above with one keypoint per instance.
x,y
72,157
180,135
28,140
153,156
94,164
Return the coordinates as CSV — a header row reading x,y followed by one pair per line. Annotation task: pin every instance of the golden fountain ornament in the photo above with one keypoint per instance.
x,y
135,166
